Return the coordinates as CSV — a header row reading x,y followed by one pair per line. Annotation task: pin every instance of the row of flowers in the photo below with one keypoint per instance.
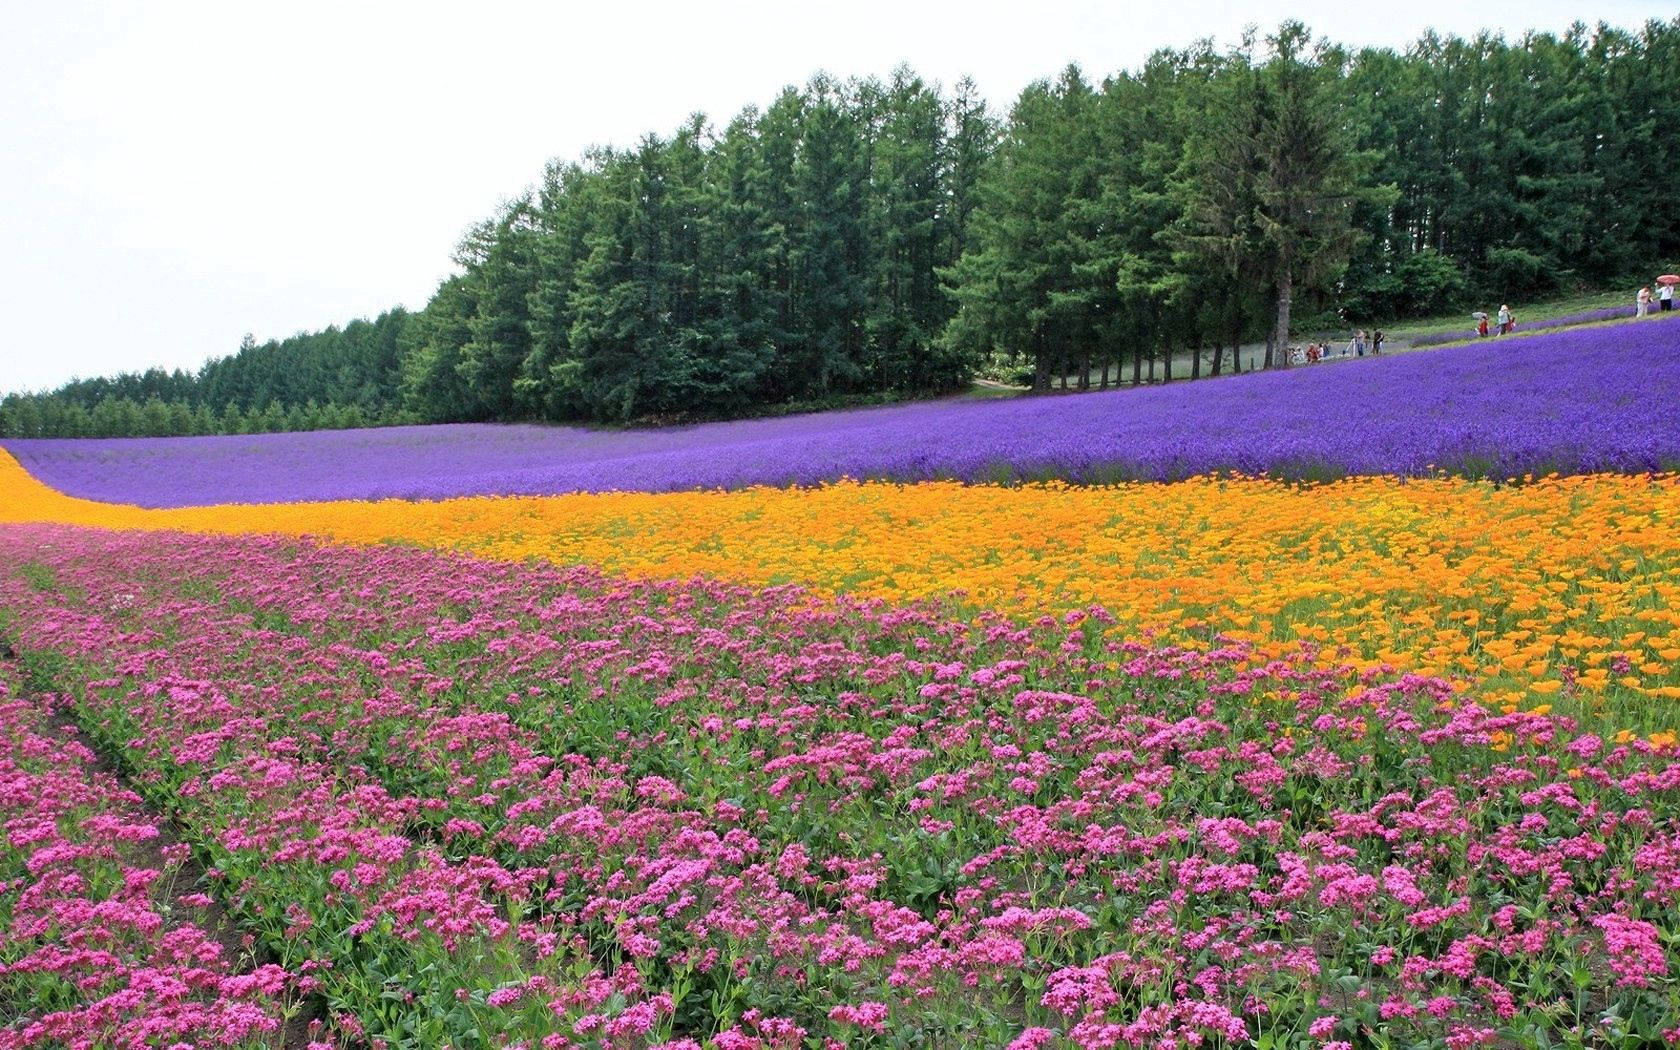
x,y
487,803
1576,401
98,943
1562,591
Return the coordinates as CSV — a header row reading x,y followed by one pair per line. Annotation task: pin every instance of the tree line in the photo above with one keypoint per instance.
x,y
339,378
867,238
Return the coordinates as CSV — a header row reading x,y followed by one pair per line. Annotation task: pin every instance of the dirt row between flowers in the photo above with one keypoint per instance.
x,y
143,961
152,853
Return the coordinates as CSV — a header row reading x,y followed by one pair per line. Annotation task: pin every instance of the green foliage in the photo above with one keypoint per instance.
x,y
46,416
1308,179
1421,284
1371,186
869,239
500,259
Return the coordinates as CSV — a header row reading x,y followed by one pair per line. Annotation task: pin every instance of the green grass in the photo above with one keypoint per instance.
x,y
1539,310
984,392
1546,330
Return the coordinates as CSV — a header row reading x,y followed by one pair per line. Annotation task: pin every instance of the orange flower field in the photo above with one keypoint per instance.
x,y
1559,590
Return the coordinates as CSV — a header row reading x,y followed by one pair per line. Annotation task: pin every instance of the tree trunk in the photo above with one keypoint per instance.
x,y
1041,367
1151,369
1166,363
1104,375
1218,356
1285,296
1085,369
1137,367
1196,360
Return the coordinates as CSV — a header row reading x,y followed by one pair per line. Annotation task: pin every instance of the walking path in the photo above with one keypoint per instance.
x,y
1253,355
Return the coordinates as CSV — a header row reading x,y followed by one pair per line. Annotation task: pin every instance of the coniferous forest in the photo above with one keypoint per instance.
x,y
863,239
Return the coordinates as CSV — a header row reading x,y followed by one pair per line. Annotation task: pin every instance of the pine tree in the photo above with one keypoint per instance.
x,y
735,334
909,307
1218,231
970,140
1308,172
826,349
566,213
1002,280
433,387
501,264
628,292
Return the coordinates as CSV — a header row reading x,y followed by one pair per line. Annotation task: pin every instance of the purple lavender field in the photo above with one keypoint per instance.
x,y
1602,399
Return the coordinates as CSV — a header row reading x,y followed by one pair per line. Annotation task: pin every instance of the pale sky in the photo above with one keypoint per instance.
x,y
177,174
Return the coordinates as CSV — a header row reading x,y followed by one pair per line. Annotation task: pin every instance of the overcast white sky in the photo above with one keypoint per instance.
x,y
177,174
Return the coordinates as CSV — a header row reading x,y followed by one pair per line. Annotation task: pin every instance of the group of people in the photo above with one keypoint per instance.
x,y
1507,321
1355,347
1664,298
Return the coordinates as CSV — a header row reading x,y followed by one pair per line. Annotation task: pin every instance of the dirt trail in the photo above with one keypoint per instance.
x,y
215,920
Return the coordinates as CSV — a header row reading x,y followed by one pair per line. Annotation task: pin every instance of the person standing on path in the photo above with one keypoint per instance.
x,y
1504,318
1376,341
1642,302
1665,297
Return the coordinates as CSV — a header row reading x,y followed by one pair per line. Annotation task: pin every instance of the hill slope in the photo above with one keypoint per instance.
x,y
1572,402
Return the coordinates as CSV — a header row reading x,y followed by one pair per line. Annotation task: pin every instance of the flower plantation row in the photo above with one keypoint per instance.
x,y
96,941
483,804
1563,591
1573,402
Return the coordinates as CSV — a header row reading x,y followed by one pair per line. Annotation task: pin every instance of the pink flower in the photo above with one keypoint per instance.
x,y
1033,1039
870,1016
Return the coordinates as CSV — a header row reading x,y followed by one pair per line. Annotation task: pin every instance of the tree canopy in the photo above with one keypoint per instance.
x,y
868,238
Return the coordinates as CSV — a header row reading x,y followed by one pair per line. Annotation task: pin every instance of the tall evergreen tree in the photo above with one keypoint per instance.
x,y
501,263
1308,170
909,306
1002,283
433,387
864,237
970,139
825,350
735,332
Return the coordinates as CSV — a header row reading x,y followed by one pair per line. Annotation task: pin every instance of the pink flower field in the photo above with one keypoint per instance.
x,y
98,942
386,797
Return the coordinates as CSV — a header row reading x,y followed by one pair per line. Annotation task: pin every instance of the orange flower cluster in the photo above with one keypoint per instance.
x,y
1561,590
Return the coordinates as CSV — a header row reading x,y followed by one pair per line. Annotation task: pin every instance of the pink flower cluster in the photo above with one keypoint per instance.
x,y
95,949
533,806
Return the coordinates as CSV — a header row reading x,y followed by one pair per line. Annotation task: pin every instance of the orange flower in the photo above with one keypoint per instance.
x,y
1440,575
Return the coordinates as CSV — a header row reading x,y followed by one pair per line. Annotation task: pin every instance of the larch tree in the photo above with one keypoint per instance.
x,y
1308,171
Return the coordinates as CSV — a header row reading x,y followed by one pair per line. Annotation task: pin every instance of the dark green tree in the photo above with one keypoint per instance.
x,y
1309,173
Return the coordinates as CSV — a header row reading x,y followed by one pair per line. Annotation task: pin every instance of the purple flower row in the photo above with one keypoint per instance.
x,y
1581,401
